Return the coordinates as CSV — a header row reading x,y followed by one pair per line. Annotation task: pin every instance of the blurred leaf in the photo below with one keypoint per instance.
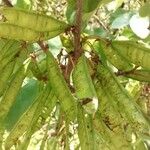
x,y
145,10
121,21
55,45
96,31
116,14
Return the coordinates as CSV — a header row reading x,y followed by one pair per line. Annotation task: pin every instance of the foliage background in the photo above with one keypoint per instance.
x,y
110,21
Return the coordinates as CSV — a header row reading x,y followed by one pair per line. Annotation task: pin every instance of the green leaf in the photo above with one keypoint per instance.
x,y
118,12
8,52
55,45
103,132
47,109
96,31
10,46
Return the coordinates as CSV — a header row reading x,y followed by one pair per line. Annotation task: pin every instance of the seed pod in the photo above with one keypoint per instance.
x,y
18,33
49,34
11,48
32,20
47,109
60,87
112,120
5,75
110,139
140,75
112,55
133,52
83,84
122,100
12,91
8,44
7,59
2,44
85,130
11,31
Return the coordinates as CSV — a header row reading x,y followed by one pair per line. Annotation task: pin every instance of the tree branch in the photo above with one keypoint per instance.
x,y
77,39
77,32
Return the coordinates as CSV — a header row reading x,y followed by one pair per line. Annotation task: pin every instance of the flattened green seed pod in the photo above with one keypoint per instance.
x,y
11,31
6,47
140,75
6,60
112,119
10,48
60,87
18,33
49,106
82,80
32,20
4,76
12,91
133,52
84,130
50,34
118,61
2,44
83,84
122,100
